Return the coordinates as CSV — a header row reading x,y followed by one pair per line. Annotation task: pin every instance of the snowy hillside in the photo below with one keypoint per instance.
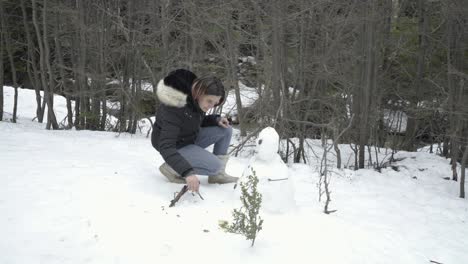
x,y
97,197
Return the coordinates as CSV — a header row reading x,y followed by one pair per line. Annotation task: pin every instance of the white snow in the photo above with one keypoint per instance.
x,y
248,96
395,121
97,197
248,59
145,86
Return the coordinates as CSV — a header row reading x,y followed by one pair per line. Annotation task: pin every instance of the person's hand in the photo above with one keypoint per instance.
x,y
193,183
223,122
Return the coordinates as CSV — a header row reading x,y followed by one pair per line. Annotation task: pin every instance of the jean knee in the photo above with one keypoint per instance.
x,y
228,132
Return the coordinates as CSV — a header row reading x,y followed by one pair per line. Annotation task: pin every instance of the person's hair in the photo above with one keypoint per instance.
x,y
208,86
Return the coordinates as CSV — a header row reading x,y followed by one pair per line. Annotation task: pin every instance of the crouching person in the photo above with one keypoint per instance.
x,y
182,129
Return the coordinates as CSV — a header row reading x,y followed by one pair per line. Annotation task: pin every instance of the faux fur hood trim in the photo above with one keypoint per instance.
x,y
170,96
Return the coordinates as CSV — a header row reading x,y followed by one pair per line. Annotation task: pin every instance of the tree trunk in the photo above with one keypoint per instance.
x,y
367,79
32,63
102,71
51,119
232,73
2,30
102,41
412,125
456,60
445,147
165,31
463,170
82,104
66,89
9,51
41,56
123,116
277,53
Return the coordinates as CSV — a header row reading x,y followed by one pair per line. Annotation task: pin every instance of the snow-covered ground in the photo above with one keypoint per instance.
x,y
97,197
248,96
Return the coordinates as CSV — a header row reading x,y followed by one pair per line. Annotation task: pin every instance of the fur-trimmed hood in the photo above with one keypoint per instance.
x,y
176,88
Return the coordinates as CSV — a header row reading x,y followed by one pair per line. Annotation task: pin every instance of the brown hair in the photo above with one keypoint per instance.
x,y
208,86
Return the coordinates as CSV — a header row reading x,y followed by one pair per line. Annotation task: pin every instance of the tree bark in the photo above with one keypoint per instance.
x,y
34,72
2,30
277,77
367,75
103,36
232,72
412,125
65,84
165,25
7,40
82,104
455,82
51,119
42,61
463,171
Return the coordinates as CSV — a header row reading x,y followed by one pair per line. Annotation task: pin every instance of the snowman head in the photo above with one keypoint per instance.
x,y
267,144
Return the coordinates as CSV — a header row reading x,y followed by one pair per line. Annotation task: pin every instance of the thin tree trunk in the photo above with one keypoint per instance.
x,y
2,30
77,91
41,56
165,31
300,84
51,119
338,154
367,82
123,116
232,69
8,47
277,53
81,105
463,171
131,99
445,147
102,72
101,68
34,73
455,63
132,89
412,125
65,84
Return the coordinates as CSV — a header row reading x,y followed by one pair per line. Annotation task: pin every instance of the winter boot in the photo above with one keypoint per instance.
x,y
222,177
170,173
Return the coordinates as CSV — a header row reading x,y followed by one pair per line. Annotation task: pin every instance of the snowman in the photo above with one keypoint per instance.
x,y
273,180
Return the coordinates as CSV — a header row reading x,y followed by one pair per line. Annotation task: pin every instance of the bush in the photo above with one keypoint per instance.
x,y
246,221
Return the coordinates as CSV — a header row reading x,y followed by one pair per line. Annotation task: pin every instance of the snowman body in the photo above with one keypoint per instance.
x,y
274,182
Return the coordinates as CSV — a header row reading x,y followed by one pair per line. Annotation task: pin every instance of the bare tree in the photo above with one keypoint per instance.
x,y
231,63
9,50
2,26
48,91
31,64
456,46
64,83
464,163
412,125
44,63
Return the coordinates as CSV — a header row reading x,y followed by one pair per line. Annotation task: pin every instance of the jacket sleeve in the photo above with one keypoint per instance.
x,y
170,129
210,120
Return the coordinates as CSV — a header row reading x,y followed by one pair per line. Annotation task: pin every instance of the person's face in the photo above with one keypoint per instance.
x,y
206,102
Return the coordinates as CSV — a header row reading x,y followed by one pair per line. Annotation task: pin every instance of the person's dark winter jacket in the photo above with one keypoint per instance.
x,y
178,119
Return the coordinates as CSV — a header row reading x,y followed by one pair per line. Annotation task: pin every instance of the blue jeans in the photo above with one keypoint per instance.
x,y
203,161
